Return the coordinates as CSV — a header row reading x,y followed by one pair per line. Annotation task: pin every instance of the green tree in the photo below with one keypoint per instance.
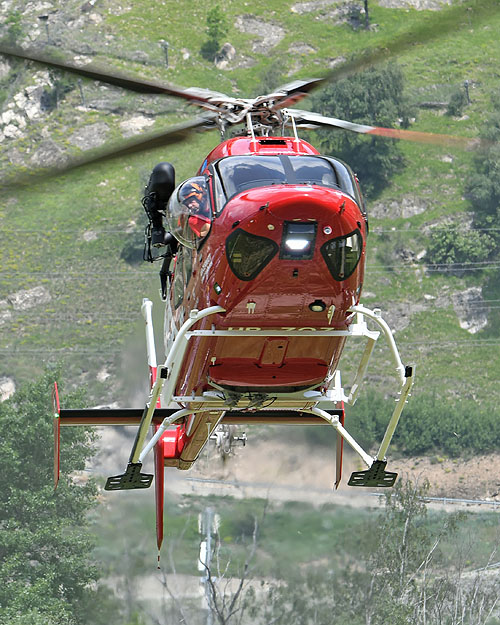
x,y
458,101
483,188
46,576
483,192
375,97
452,245
217,28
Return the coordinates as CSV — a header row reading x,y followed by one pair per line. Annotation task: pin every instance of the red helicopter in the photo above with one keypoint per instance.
x,y
263,258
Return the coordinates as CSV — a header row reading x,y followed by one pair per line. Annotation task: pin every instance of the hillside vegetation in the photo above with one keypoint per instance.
x,y
77,238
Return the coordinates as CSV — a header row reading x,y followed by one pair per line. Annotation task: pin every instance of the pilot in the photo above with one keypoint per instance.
x,y
194,197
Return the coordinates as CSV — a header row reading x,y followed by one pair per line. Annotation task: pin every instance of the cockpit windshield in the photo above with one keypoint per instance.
x,y
240,173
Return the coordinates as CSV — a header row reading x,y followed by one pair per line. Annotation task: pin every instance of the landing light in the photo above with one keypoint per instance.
x,y
296,245
298,240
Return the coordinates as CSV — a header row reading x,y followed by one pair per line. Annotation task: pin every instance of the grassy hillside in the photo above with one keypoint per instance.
x,y
68,234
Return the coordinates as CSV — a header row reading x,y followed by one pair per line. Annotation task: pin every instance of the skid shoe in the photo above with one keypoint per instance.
x,y
132,478
376,475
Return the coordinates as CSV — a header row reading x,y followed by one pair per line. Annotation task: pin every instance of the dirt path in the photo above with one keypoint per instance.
x,y
296,471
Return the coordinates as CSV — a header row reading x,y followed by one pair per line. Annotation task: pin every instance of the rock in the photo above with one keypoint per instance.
x,y
420,5
8,116
135,125
301,48
7,388
246,61
269,32
399,315
226,54
140,57
103,375
95,18
48,154
309,7
89,235
351,13
12,132
469,308
90,137
408,206
25,299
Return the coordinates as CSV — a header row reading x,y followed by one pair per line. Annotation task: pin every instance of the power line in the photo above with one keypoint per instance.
x,y
131,273
139,231
429,227
76,350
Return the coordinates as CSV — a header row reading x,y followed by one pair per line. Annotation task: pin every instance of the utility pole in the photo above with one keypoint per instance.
x,y
466,87
45,20
208,524
164,45
79,82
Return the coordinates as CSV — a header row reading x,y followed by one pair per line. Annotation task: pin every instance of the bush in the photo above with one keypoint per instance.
x,y
429,424
457,103
451,245
216,30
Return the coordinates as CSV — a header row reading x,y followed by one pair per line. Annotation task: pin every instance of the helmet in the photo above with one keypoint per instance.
x,y
191,191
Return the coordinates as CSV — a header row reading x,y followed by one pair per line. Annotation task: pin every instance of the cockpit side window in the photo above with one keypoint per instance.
x,y
189,213
219,195
347,181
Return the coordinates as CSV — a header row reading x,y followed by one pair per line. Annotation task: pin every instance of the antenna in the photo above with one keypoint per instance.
x,y
250,130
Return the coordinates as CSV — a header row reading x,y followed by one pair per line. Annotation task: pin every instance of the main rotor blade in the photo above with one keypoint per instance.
x,y
315,120
291,93
106,75
173,135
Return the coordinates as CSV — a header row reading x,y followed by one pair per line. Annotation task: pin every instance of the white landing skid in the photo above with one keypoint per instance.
x,y
311,406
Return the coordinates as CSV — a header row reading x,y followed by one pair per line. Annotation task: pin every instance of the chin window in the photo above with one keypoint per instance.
x,y
342,254
248,254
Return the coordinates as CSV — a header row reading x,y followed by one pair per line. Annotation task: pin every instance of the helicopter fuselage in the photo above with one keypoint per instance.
x,y
284,251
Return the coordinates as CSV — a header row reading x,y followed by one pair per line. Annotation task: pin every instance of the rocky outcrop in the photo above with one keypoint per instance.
x,y
7,388
470,309
405,207
269,33
29,298
226,55
89,137
26,105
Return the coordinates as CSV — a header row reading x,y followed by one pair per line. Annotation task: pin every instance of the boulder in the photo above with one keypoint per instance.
x,y
226,54
7,388
29,298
